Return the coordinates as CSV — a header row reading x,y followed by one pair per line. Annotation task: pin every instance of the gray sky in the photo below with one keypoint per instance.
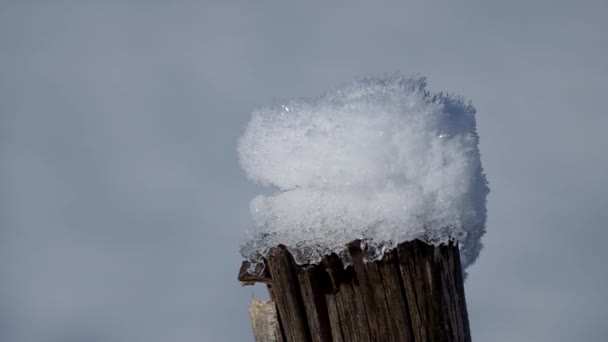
x,y
122,202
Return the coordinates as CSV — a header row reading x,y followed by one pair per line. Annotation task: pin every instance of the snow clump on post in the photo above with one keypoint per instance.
x,y
379,160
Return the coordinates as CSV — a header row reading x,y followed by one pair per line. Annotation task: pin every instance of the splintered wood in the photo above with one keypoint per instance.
x,y
264,321
415,293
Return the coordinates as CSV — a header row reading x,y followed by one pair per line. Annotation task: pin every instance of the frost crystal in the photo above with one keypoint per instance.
x,y
381,160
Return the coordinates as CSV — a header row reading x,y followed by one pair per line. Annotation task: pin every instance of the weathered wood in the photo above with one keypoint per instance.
x,y
349,300
373,295
249,279
347,310
395,297
452,294
313,284
416,276
334,318
287,293
432,277
361,315
414,293
264,321
461,300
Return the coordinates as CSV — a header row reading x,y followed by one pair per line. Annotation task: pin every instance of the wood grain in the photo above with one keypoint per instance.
x,y
414,293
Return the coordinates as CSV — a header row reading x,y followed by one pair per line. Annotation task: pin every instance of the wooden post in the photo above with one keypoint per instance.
x,y
415,293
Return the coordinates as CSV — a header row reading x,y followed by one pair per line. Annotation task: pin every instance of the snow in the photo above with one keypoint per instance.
x,y
381,160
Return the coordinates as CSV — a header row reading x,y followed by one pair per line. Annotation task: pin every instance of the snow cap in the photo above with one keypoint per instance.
x,y
381,160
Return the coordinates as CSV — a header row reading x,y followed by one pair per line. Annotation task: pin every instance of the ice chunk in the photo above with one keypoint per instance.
x,y
381,160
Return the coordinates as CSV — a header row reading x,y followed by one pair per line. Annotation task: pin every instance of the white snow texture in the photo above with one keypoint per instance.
x,y
381,160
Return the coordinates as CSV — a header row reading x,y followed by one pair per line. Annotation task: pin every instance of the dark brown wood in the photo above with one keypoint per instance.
x,y
249,279
414,293
334,318
292,314
347,310
373,295
361,316
417,280
313,284
395,297
435,292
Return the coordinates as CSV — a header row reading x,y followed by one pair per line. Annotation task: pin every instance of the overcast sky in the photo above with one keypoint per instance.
x,y
122,202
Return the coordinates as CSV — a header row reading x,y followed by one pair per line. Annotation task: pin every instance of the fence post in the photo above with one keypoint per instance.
x,y
414,293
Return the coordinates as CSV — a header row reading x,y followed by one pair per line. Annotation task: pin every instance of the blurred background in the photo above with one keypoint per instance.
x,y
122,203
